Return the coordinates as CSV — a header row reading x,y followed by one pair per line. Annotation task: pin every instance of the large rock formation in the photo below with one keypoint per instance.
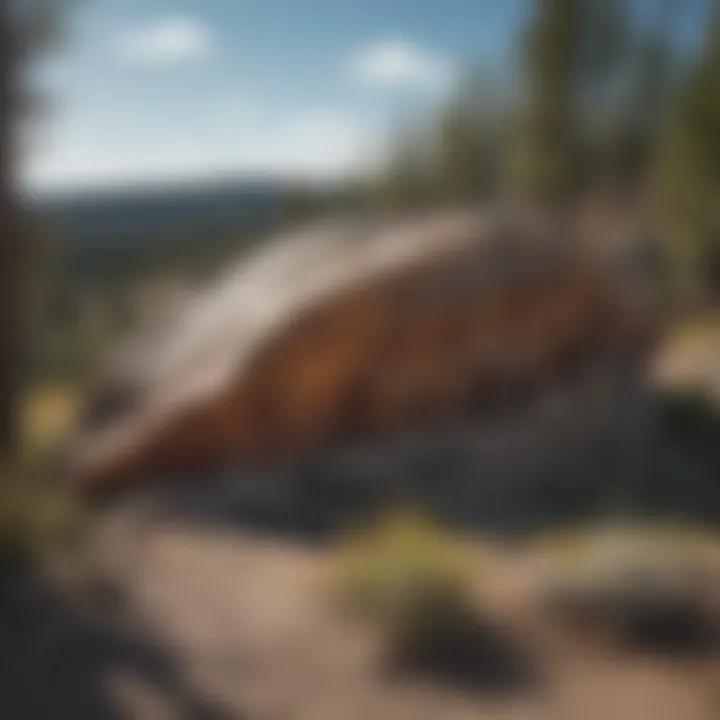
x,y
362,331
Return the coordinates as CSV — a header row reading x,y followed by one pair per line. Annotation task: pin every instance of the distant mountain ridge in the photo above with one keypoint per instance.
x,y
135,214
116,234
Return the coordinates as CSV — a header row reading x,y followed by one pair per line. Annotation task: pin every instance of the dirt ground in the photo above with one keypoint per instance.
x,y
177,619
160,615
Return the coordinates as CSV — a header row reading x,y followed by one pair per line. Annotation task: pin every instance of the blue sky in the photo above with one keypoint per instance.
x,y
163,89
174,89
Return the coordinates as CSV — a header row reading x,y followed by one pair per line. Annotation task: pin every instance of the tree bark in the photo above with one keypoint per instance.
x,y
11,241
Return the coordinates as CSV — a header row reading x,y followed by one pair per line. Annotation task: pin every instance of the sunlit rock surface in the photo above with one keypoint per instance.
x,y
363,336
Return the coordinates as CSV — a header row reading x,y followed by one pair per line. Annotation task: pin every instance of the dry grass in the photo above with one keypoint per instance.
x,y
35,510
48,414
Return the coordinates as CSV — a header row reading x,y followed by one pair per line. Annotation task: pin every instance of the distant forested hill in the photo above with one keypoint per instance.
x,y
103,257
109,233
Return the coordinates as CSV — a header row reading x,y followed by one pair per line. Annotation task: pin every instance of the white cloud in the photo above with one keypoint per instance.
x,y
167,41
313,143
401,63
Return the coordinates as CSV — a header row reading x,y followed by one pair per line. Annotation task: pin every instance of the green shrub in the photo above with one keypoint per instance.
x,y
405,573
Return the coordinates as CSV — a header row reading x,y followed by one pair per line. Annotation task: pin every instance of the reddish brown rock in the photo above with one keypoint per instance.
x,y
357,330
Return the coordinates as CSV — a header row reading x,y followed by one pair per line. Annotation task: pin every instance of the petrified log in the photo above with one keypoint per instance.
x,y
353,330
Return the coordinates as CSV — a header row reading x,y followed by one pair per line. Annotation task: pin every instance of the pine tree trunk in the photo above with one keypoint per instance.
x,y
11,243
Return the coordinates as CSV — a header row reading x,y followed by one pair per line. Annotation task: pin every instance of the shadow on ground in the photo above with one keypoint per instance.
x,y
469,655
680,632
57,661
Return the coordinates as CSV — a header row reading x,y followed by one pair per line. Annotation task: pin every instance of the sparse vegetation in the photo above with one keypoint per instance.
x,y
652,586
409,577
33,514
35,510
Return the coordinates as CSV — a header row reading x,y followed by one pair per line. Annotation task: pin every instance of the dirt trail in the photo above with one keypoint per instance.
x,y
173,619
